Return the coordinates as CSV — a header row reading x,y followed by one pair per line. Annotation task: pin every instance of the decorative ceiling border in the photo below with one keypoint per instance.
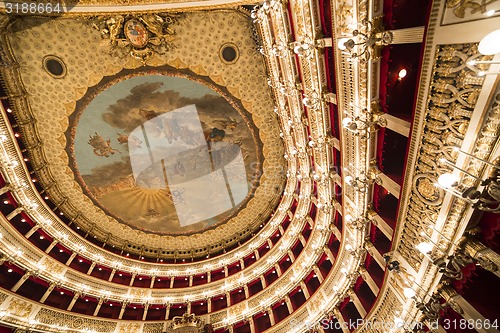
x,y
96,7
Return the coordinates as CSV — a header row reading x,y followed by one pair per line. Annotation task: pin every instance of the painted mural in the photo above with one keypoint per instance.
x,y
165,154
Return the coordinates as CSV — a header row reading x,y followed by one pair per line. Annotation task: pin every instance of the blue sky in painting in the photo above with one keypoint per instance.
x,y
91,119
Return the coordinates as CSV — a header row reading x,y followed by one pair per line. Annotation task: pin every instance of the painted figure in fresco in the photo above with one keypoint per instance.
x,y
101,146
179,169
148,114
230,124
132,141
122,138
215,135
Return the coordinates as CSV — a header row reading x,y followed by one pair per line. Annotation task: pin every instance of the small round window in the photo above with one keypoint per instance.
x,y
54,66
229,53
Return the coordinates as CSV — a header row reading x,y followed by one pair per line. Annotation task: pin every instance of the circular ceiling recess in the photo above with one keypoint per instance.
x,y
54,66
229,53
165,154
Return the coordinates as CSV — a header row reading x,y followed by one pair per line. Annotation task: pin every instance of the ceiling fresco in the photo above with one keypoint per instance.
x,y
75,137
164,153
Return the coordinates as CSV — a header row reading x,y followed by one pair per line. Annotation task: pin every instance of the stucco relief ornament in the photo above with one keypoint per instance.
x,y
19,308
188,323
139,36
77,323
427,191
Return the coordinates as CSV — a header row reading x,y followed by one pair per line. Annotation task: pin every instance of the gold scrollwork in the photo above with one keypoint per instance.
x,y
19,308
140,36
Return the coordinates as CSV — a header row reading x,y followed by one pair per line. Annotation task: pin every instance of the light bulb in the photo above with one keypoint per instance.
x,y
341,44
408,292
346,122
343,270
490,12
402,73
348,247
348,180
448,180
424,247
489,45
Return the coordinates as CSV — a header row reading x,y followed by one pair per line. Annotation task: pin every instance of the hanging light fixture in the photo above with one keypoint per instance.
x,y
362,127
489,45
402,74
361,43
486,198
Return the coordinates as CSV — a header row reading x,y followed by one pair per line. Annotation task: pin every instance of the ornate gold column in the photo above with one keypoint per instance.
x,y
263,281
304,289
153,279
122,310
112,274
465,309
369,280
380,223
407,36
277,269
372,250
47,292
343,324
271,316
486,257
73,301
98,307
32,230
357,303
329,253
145,313
70,259
14,213
167,311
91,268
318,273
288,304
132,279
20,282
51,246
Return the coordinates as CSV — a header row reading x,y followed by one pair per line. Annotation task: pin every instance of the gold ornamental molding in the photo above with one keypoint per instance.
x,y
139,36
106,7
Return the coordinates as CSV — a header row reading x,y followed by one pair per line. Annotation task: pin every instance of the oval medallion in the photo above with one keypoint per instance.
x,y
136,33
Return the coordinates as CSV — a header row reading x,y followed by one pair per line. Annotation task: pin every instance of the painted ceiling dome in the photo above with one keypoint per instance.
x,y
164,153
229,166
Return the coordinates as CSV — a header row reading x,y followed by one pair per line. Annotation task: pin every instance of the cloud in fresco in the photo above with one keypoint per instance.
x,y
126,113
109,174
